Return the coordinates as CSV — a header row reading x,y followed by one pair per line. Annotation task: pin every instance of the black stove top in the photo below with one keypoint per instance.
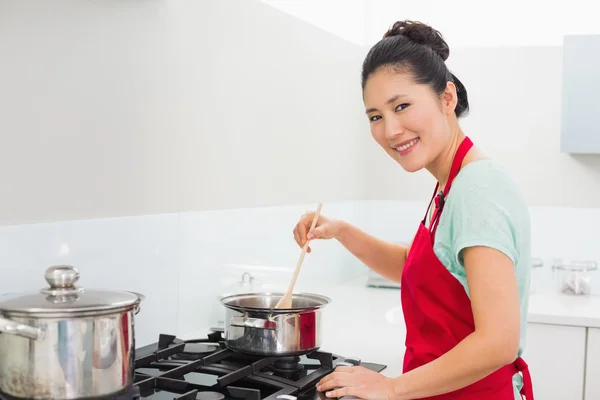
x,y
205,369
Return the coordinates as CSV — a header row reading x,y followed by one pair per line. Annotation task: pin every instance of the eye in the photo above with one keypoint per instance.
x,y
375,118
402,106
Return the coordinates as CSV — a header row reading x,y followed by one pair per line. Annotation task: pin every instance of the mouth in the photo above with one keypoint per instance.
x,y
406,146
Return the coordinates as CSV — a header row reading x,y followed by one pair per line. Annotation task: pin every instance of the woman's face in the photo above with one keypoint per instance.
x,y
407,119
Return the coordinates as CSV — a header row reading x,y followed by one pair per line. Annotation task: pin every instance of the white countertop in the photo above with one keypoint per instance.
x,y
546,307
556,309
367,323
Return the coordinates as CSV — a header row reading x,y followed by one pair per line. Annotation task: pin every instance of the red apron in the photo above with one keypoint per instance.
x,y
438,314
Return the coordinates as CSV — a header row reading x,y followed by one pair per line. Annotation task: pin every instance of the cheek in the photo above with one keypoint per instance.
x,y
427,124
378,133
419,121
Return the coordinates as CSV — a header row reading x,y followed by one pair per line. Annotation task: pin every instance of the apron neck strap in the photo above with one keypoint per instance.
x,y
459,157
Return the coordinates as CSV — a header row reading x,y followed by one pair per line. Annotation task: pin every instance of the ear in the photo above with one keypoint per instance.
x,y
449,98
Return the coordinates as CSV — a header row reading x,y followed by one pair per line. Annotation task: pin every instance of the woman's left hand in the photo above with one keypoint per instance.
x,y
358,382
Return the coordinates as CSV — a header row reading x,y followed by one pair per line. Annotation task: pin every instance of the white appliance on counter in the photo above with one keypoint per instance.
x,y
378,281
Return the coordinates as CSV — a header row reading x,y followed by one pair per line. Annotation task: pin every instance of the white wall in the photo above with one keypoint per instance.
x,y
128,108
343,18
161,113
472,23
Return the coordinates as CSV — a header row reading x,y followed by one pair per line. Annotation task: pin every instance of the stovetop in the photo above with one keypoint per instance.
x,y
205,369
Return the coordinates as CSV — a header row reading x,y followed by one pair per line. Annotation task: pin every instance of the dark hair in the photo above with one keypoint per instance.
x,y
419,49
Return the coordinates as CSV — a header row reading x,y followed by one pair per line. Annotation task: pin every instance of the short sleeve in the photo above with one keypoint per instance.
x,y
483,209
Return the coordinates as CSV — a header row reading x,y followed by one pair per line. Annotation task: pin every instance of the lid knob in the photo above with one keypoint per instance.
x,y
61,276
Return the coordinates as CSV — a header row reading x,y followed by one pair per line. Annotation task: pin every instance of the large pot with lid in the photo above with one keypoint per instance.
x,y
66,342
254,326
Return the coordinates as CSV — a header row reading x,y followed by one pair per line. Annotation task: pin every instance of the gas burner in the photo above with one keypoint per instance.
x,y
210,396
195,351
206,369
288,368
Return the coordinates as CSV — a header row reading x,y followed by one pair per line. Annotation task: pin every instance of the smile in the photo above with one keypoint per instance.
x,y
406,146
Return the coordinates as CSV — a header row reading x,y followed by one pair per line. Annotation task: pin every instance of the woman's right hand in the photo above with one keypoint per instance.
x,y
324,229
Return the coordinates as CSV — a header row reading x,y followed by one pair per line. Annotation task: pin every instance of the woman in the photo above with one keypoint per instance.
x,y
465,276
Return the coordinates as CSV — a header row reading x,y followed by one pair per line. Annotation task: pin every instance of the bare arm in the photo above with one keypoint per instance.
x,y
386,259
495,342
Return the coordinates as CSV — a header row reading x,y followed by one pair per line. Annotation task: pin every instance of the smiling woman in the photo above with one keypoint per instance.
x,y
465,277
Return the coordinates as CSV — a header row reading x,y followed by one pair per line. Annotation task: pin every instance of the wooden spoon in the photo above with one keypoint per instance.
x,y
286,300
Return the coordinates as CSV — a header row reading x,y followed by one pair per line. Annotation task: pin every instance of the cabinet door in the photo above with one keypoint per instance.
x,y
556,358
580,119
592,383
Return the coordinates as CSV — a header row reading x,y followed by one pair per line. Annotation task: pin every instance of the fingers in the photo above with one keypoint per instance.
x,y
301,229
315,233
303,226
334,380
346,391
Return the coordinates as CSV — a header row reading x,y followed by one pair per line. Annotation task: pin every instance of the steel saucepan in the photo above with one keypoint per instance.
x,y
65,342
253,326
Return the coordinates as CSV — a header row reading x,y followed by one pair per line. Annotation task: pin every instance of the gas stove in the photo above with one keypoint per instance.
x,y
205,369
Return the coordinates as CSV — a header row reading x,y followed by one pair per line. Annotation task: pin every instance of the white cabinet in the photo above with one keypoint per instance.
x,y
556,358
580,131
592,373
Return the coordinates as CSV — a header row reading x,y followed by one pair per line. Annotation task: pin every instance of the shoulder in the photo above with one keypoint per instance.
x,y
482,177
485,207
485,184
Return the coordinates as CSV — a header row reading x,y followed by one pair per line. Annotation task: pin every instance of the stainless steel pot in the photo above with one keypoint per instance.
x,y
253,326
65,342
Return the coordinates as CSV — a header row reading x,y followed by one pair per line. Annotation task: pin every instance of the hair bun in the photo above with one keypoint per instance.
x,y
421,33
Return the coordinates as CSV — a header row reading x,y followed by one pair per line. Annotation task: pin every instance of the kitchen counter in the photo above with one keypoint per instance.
x,y
545,307
367,323
556,309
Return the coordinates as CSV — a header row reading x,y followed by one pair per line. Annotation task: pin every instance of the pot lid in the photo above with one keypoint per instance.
x,y
63,296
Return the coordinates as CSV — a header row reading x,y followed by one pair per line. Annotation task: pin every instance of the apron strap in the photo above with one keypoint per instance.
x,y
461,152
527,389
460,155
429,206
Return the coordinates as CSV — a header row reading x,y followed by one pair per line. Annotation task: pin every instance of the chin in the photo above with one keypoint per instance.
x,y
411,165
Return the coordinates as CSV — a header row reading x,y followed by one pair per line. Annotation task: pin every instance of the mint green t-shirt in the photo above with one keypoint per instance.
x,y
485,208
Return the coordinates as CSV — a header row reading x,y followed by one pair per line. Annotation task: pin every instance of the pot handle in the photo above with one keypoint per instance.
x,y
141,298
19,329
257,323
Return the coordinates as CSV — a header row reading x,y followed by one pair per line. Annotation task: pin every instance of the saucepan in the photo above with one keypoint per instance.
x,y
66,342
254,326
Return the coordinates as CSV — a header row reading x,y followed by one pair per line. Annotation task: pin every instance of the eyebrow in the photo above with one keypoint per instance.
x,y
390,101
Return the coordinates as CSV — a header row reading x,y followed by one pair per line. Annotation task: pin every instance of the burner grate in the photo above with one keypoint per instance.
x,y
205,369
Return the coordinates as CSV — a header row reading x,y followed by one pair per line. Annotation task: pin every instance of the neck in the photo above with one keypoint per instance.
x,y
440,167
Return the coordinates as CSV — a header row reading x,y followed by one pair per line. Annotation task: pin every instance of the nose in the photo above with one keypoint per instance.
x,y
393,128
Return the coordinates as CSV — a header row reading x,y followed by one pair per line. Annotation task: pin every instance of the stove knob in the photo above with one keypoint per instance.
x,y
353,361
344,364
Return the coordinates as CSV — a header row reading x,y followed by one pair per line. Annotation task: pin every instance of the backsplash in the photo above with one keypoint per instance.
x,y
182,262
